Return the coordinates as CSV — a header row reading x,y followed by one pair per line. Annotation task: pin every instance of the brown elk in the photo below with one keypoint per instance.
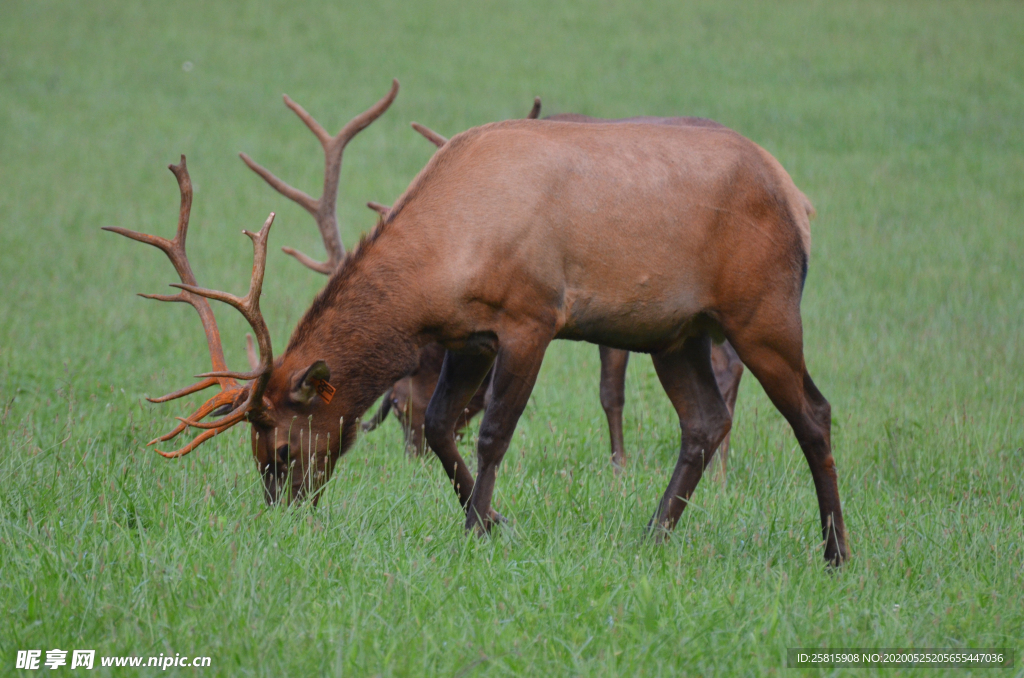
x,y
650,238
409,397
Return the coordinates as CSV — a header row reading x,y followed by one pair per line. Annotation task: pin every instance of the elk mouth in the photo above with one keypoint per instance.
x,y
281,484
285,483
280,476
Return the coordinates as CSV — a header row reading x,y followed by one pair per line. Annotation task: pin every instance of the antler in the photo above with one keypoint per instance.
x,y
191,294
380,209
535,111
323,208
431,136
439,141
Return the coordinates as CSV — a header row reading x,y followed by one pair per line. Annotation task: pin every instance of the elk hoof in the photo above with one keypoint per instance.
x,y
659,531
483,526
495,518
835,560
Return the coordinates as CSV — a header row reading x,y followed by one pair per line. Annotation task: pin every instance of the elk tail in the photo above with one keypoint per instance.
x,y
808,206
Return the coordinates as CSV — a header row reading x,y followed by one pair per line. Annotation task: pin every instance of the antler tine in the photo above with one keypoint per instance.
x,y
308,261
167,246
180,172
535,111
378,208
306,201
236,415
197,441
431,136
188,390
314,127
324,208
364,119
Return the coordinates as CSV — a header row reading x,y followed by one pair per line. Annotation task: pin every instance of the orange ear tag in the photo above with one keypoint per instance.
x,y
324,389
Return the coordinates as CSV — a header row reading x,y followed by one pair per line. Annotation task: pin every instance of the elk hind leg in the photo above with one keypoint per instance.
x,y
613,398
381,414
476,405
422,386
728,371
773,351
704,420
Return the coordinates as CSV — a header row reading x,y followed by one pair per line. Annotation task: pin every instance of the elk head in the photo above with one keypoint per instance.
x,y
280,398
297,432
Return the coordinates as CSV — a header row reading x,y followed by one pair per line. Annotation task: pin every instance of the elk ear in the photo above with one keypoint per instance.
x,y
305,383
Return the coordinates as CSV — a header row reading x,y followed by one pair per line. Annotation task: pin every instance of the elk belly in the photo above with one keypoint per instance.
x,y
639,319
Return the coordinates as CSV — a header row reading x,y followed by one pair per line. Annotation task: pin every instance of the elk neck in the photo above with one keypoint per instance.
x,y
365,323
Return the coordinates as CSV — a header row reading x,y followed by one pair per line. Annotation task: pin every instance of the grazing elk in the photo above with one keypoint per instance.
x,y
650,238
409,396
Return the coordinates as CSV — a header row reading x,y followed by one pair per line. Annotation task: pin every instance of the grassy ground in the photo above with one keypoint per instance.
x,y
902,123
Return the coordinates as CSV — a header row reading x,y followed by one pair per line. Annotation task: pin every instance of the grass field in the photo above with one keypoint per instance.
x,y
902,122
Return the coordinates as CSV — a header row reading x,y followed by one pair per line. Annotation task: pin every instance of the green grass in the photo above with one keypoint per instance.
x,y
902,122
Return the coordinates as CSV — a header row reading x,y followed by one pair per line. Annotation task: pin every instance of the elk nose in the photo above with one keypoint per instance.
x,y
282,454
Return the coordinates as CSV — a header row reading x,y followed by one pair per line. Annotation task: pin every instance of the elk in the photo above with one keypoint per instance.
x,y
650,238
409,396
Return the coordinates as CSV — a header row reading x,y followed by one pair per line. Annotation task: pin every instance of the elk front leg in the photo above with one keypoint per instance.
x,y
461,376
613,398
515,372
704,420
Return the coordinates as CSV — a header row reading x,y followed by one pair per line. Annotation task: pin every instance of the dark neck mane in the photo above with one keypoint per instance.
x,y
363,322
361,325
350,265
